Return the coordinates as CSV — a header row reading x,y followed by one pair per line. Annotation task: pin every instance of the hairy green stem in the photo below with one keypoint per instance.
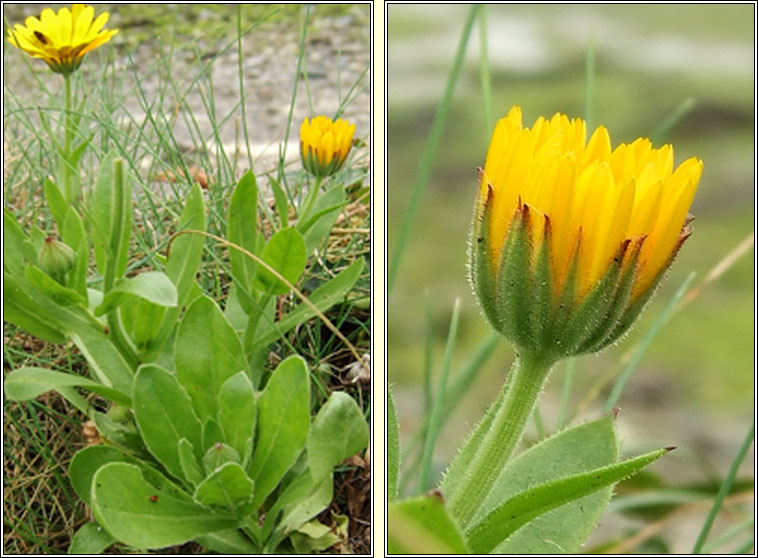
x,y
67,137
522,390
310,199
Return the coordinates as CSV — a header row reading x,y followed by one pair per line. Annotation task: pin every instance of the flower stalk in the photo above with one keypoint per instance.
x,y
65,163
521,391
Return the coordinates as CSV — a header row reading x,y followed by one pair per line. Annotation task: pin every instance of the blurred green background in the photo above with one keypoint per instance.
x,y
695,385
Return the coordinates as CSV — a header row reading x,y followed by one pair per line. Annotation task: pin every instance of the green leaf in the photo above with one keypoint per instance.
x,y
181,268
89,335
29,382
152,286
187,250
228,487
218,455
237,411
325,211
393,448
97,347
499,524
314,536
242,228
164,415
212,434
228,542
280,201
339,430
284,252
111,215
207,353
17,249
21,310
140,515
123,436
77,153
578,449
191,469
422,525
85,464
323,298
90,539
76,237
57,204
143,320
57,292
313,502
283,421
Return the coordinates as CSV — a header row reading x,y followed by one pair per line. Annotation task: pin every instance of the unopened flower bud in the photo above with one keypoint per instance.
x,y
570,238
55,258
325,144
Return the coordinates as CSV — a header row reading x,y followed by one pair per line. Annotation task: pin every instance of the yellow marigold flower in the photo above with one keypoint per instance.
x,y
62,39
324,145
571,236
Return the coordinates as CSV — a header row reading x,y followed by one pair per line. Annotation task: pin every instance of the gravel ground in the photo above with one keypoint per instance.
x,y
337,57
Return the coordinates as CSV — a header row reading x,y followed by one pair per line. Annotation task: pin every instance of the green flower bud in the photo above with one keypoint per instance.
x,y
56,259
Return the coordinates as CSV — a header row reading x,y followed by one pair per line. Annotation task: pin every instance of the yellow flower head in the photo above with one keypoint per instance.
x,y
62,39
586,220
324,145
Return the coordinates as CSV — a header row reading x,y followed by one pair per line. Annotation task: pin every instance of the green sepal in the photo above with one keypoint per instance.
x,y
514,293
619,303
588,317
481,274
542,297
635,308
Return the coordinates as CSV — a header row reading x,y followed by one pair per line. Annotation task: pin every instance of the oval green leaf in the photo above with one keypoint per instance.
x,y
152,286
164,415
339,430
207,353
141,515
237,411
500,523
423,526
242,228
284,252
227,487
29,382
283,421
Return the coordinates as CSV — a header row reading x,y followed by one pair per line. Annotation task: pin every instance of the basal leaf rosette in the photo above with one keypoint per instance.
x,y
325,144
570,237
62,39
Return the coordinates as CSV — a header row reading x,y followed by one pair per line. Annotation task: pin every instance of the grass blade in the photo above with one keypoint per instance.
x,y
435,417
724,490
430,150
